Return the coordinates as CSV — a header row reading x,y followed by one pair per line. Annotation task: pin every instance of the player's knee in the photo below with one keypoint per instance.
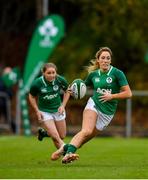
x,y
87,132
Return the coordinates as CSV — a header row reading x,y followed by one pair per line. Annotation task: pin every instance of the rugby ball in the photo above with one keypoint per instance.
x,y
78,88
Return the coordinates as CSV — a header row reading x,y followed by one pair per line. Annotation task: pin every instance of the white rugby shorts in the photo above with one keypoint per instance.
x,y
103,119
53,116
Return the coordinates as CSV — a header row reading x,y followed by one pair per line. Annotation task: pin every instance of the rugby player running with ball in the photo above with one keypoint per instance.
x,y
109,85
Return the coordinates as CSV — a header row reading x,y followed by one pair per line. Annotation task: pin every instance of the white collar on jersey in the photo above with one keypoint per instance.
x,y
111,67
44,82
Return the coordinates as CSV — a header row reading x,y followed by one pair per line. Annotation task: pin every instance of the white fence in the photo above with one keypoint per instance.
x,y
18,117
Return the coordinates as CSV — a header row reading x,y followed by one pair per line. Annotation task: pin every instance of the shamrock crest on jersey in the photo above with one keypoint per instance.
x,y
55,87
109,80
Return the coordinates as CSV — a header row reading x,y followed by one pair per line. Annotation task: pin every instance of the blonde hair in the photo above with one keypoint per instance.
x,y
48,65
93,63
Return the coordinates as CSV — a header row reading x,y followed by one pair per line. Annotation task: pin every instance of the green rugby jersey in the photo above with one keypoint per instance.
x,y
111,81
48,93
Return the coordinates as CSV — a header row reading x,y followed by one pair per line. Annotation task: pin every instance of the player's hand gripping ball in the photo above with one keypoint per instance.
x,y
78,89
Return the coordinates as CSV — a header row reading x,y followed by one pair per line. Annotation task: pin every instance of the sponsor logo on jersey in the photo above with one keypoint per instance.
x,y
55,87
102,91
50,96
109,80
97,79
43,90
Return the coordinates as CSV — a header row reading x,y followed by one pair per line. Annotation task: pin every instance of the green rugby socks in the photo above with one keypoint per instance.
x,y
71,149
66,147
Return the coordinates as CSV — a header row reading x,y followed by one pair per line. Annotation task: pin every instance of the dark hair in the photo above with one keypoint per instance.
x,y
48,65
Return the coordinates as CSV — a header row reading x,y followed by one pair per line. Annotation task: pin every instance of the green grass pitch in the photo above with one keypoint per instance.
x,y
101,158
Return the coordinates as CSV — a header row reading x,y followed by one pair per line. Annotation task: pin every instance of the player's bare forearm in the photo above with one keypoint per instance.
x,y
33,103
121,95
125,93
65,98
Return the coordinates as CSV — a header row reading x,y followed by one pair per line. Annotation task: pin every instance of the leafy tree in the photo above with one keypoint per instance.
x,y
120,24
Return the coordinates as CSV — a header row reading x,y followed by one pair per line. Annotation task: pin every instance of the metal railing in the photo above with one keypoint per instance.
x,y
129,111
128,126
